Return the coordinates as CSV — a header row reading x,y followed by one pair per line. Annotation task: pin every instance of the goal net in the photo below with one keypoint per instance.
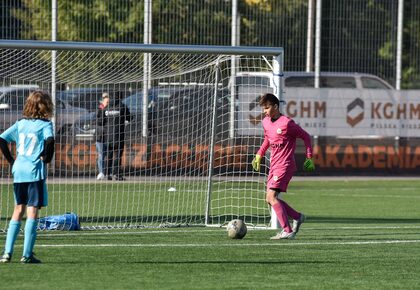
x,y
182,155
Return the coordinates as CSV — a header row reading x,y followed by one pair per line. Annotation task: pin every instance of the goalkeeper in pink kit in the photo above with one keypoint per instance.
x,y
280,134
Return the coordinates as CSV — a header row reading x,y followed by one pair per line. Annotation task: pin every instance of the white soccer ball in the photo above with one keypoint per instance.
x,y
236,229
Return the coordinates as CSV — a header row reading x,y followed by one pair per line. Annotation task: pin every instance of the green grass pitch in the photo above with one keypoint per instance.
x,y
359,234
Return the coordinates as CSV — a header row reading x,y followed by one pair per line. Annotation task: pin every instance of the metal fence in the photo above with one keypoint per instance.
x,y
329,35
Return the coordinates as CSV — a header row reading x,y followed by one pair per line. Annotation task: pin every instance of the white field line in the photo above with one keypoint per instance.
x,y
239,244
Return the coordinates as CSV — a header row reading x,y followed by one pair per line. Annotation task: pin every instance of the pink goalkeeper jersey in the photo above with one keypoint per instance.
x,y
281,136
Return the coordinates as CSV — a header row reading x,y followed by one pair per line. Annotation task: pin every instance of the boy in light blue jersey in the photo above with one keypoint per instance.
x,y
34,140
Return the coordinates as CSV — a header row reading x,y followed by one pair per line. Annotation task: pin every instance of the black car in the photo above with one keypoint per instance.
x,y
189,112
173,112
157,96
85,128
89,98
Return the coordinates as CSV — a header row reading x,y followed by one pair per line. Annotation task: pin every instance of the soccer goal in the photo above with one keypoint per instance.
x,y
193,127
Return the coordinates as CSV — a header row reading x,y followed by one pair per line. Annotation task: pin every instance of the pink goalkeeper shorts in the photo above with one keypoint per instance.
x,y
279,180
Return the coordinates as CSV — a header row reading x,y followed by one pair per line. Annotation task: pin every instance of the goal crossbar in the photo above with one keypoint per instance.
x,y
145,48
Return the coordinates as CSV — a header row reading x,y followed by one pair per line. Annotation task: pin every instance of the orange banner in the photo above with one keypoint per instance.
x,y
364,156
139,156
81,157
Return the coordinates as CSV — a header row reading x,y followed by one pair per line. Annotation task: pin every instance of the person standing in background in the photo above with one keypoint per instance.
x,y
114,118
100,138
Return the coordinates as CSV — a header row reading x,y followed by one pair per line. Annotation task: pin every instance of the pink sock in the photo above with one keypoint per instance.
x,y
291,212
282,217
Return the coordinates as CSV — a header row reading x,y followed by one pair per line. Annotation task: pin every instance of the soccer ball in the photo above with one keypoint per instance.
x,y
236,229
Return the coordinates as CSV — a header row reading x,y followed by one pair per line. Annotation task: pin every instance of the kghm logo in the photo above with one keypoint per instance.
x,y
355,112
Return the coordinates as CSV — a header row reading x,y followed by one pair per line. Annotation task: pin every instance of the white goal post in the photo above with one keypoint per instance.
x,y
188,140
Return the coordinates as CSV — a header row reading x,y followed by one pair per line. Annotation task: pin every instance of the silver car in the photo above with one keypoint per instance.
x,y
12,100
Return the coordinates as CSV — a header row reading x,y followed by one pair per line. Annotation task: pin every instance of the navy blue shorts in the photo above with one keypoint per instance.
x,y
31,193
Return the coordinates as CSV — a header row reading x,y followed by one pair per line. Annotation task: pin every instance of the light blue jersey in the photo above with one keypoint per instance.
x,y
29,136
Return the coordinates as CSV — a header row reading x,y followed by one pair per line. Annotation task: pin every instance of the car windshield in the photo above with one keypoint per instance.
x,y
372,83
87,99
134,103
324,82
163,93
15,98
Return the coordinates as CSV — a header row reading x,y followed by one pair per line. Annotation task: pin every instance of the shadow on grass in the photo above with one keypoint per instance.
x,y
182,220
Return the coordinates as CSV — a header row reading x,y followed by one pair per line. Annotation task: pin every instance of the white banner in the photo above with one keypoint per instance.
x,y
341,112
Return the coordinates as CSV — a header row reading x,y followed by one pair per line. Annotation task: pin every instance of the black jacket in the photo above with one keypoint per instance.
x,y
113,119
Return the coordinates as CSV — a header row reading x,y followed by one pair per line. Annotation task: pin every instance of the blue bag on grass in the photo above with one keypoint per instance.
x,y
65,222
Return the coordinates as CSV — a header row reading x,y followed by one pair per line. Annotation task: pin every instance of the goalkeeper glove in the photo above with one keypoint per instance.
x,y
256,162
309,165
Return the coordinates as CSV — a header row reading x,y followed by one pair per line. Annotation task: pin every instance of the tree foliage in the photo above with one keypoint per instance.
x,y
262,23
